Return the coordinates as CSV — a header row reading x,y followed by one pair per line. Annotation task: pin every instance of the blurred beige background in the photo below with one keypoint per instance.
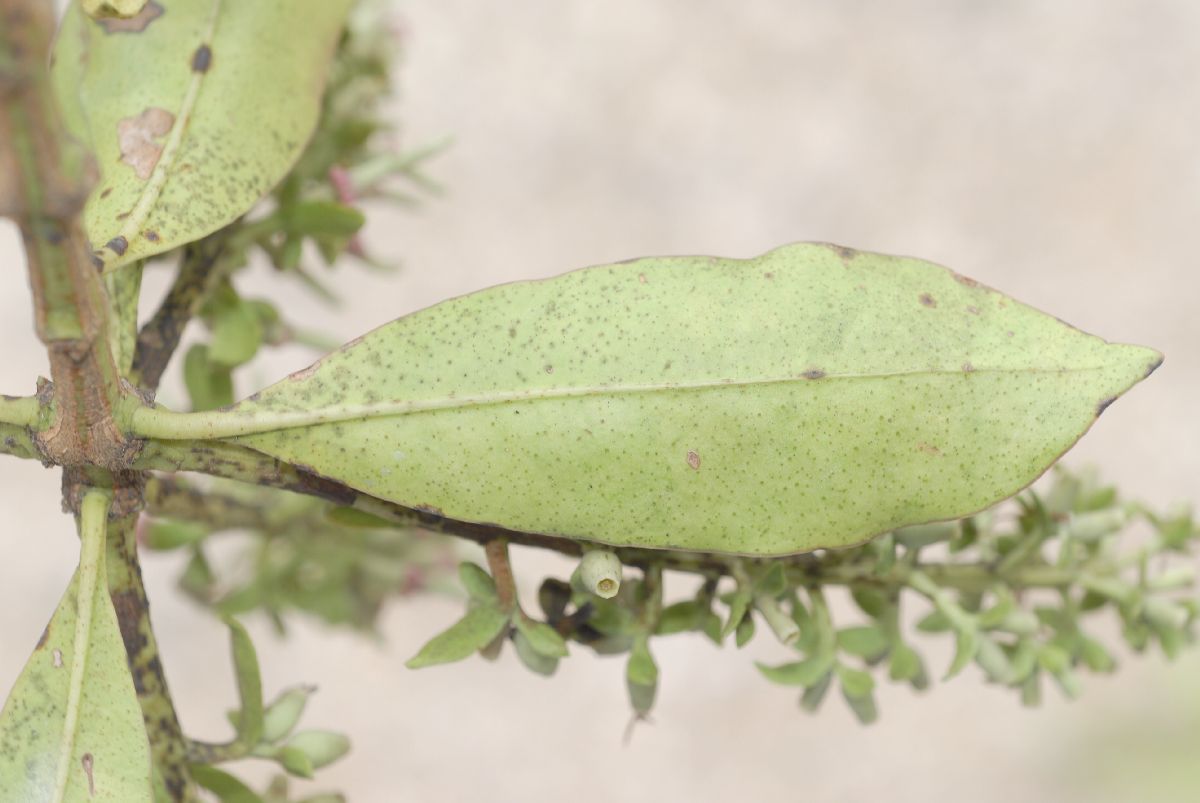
x,y
1048,149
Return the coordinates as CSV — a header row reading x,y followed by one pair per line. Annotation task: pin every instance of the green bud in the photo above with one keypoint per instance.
x,y
1164,614
295,761
1096,524
283,714
600,571
320,747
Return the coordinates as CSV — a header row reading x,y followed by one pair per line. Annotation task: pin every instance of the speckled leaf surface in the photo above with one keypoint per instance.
x,y
194,108
812,397
99,734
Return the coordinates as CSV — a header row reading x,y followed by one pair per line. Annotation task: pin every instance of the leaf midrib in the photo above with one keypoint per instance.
x,y
259,418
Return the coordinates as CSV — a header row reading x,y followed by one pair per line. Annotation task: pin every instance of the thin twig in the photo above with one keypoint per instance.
x,y
160,336
167,743
496,551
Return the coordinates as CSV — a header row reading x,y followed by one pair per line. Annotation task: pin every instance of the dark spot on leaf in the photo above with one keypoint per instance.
x,y
42,641
967,367
118,245
927,300
202,59
304,373
135,24
693,459
929,449
106,192
1104,403
1153,367
430,511
967,280
549,369
641,278
152,236
973,310
310,482
89,762
813,373
97,262
768,275
842,251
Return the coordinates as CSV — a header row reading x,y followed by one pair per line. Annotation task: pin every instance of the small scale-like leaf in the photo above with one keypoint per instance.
x,y
322,747
730,406
739,604
323,217
189,145
798,673
773,583
284,712
474,631
236,334
934,622
858,689
165,534
295,761
855,682
1096,657
641,668
679,618
865,641
966,646
478,583
870,601
905,663
1031,690
249,683
814,695
209,385
533,660
641,677
994,661
745,631
227,788
542,637
923,535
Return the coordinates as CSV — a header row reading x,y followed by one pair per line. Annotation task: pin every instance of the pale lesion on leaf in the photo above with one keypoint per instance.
x,y
126,24
137,139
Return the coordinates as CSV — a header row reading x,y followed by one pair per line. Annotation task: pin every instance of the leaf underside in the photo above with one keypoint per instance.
x,y
110,743
812,397
237,84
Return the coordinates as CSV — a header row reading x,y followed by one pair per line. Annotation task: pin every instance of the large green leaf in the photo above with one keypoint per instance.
x,y
812,397
194,108
72,728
